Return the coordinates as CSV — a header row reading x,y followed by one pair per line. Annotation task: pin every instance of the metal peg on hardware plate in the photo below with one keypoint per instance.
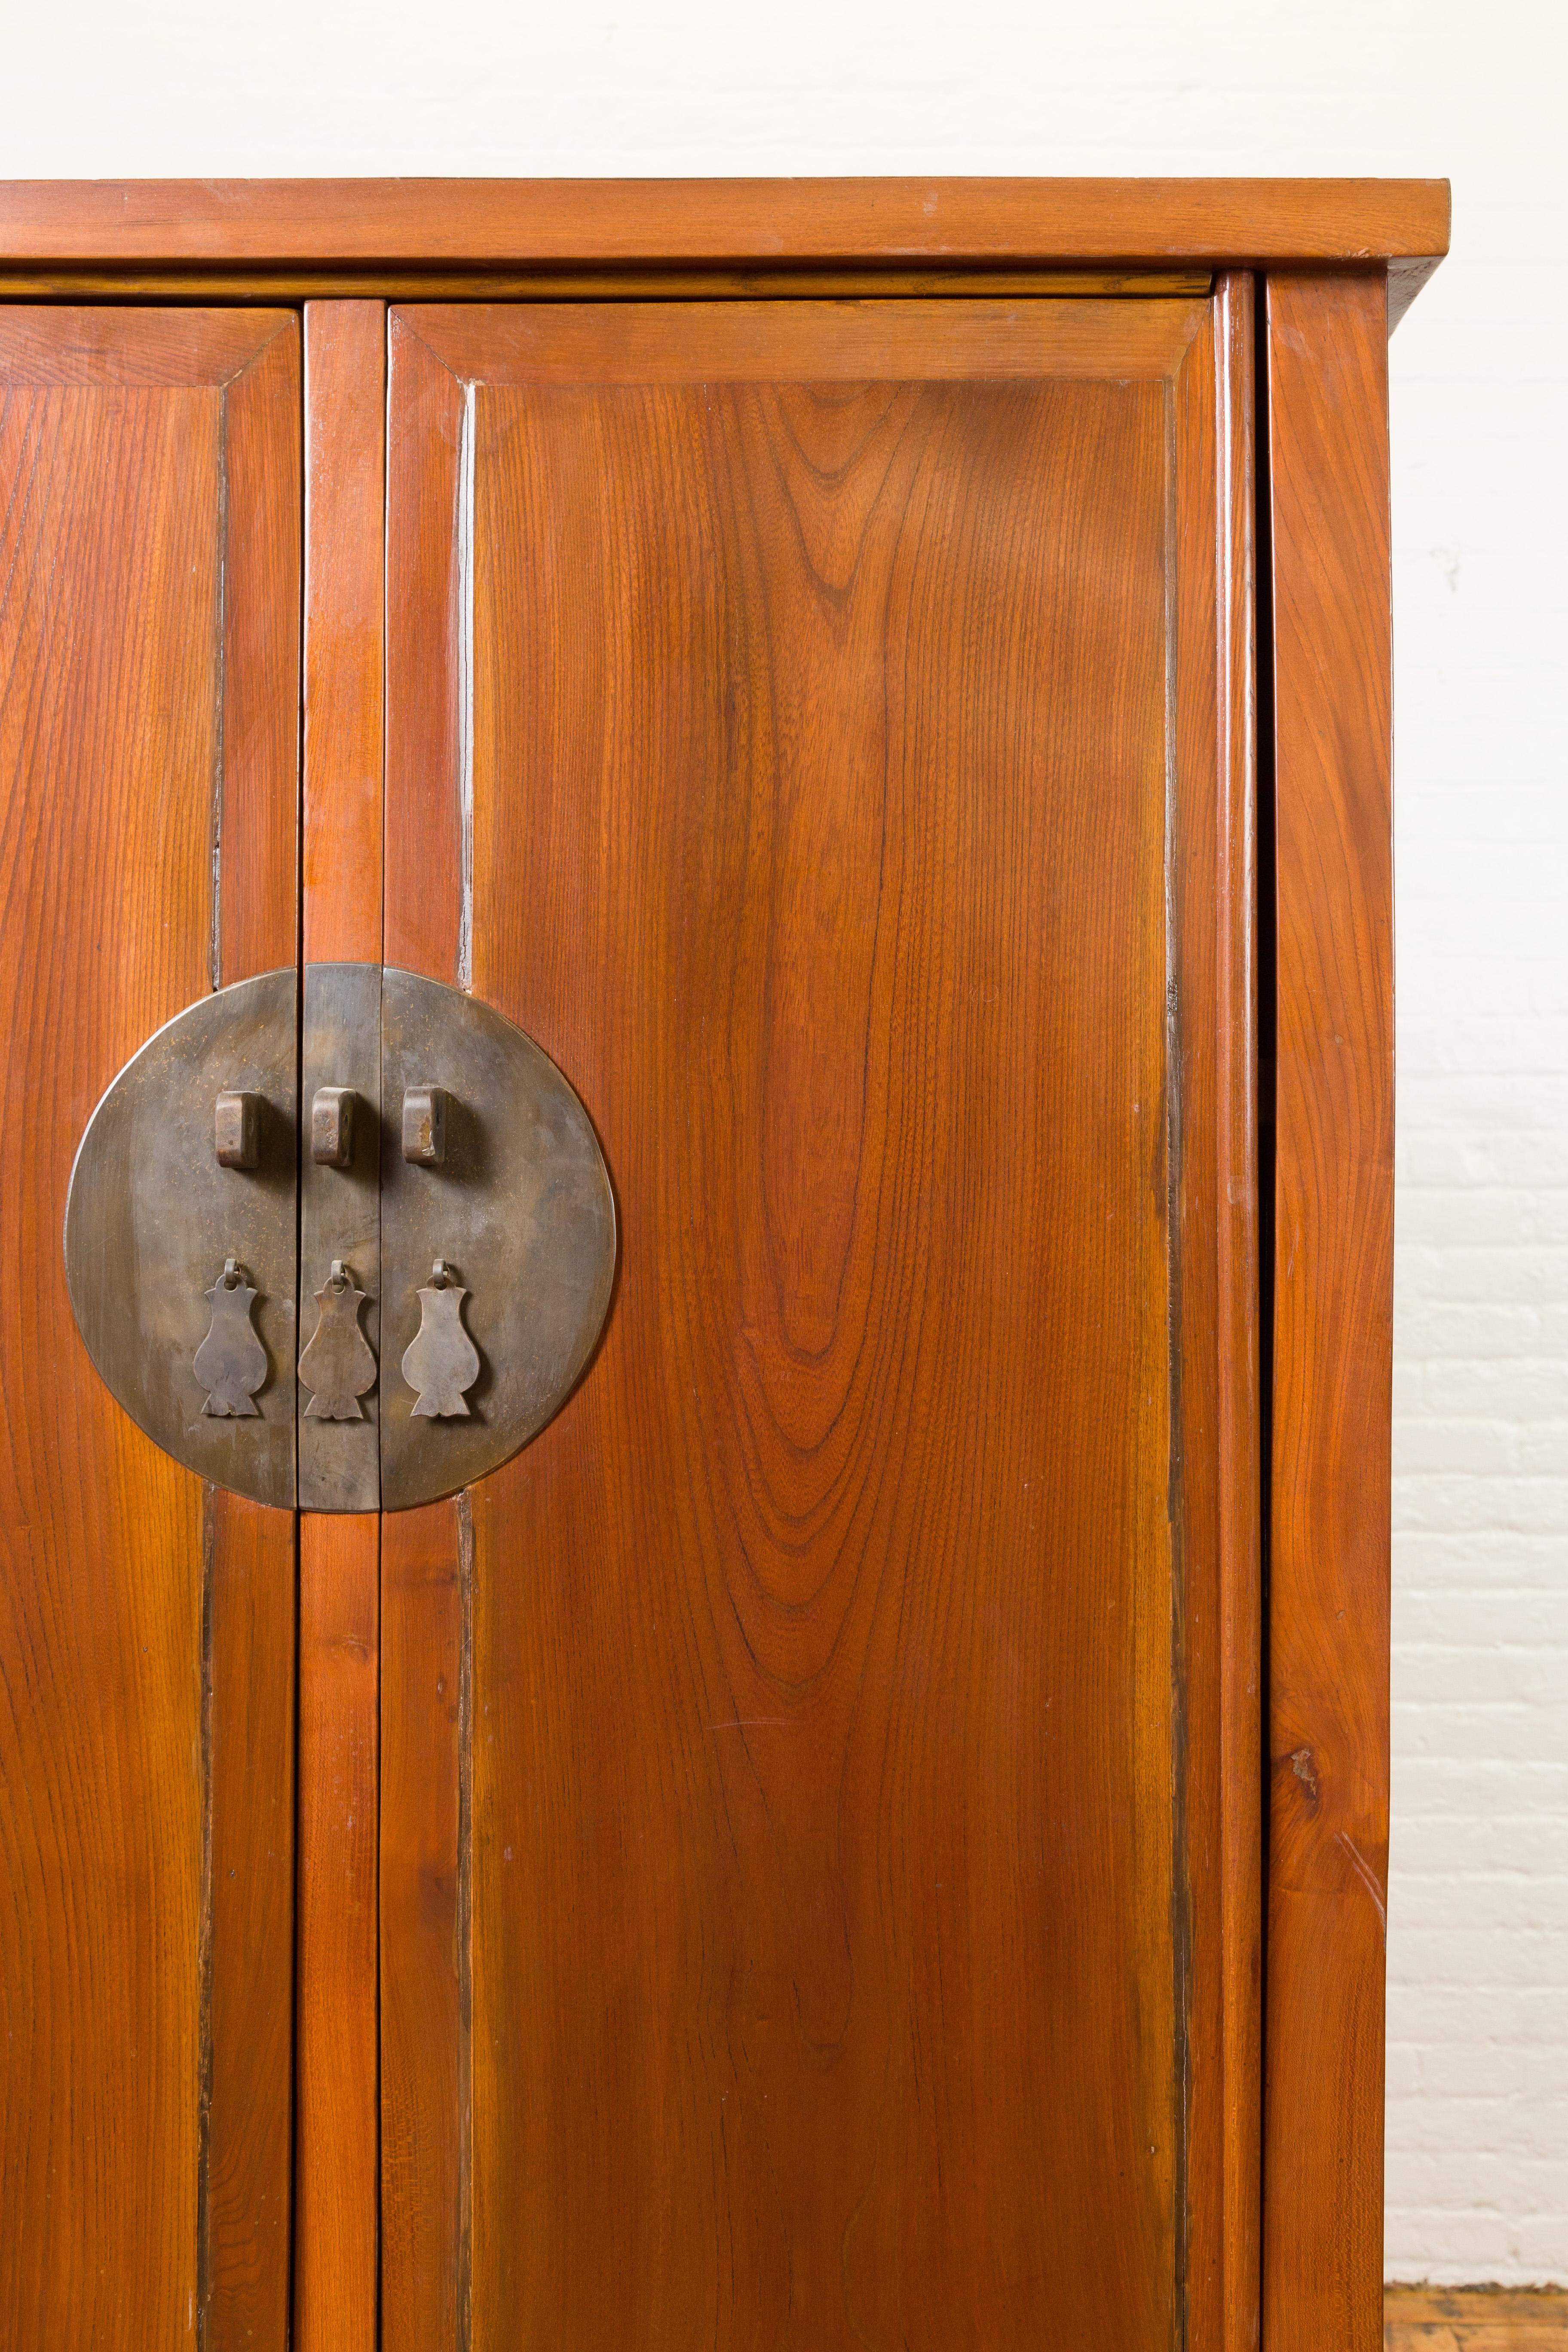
x,y
425,1126
236,1130
332,1127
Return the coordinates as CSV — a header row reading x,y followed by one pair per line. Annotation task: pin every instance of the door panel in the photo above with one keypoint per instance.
x,y
802,721
149,627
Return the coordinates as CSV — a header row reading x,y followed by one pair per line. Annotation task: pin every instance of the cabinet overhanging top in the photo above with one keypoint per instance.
x,y
739,224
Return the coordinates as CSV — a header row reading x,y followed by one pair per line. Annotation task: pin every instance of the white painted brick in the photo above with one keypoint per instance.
x,y
1469,1619
1490,1559
1454,2122
1504,1157
1405,2075
1434,2014
1478,1330
1528,1903
1538,2247
1503,1733
1527,1394
1449,1217
1443,1674
1525,1958
1452,1847
1475,2070
1428,1785
1531,1505
1463,813
1506,1273
1455,2249
1476,1447
1448,2176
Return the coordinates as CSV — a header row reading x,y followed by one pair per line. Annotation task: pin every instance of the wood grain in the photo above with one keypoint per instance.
x,y
245,2213
143,2158
336,2155
337,2148
826,1925
427,1625
785,342
1213,1117
259,841
427,629
426,1632
302,283
1473,2319
1238,1241
345,574
835,221
1328,1697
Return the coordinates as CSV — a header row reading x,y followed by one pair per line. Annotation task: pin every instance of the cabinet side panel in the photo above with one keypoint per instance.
x,y
1328,1700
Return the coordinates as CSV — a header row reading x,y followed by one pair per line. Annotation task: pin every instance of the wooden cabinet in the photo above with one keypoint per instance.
x,y
871,1829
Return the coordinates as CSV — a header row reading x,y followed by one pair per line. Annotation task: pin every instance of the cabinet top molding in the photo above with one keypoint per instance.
x,y
558,224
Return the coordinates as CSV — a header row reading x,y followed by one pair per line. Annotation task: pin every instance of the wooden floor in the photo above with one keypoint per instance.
x,y
1425,2319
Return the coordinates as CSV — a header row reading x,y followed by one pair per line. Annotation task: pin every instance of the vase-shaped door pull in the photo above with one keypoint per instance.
x,y
231,1362
338,1367
441,1360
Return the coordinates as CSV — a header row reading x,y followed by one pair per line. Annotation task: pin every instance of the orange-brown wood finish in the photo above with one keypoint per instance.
x,y
345,574
477,223
1238,1820
1215,1121
336,2195
245,2212
595,283
1328,1697
426,1691
335,2226
804,1872
784,1860
1474,2319
149,683
426,1624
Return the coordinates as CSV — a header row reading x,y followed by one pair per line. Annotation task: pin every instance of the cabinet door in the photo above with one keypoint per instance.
x,y
148,632
810,1797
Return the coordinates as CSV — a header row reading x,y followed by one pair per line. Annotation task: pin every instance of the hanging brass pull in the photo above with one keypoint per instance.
x,y
337,1365
441,1361
231,1362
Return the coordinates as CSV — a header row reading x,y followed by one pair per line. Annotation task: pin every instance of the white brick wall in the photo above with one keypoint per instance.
x,y
1477,2092
1479,2002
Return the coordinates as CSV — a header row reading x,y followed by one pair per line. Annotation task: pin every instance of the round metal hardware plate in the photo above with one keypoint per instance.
x,y
520,1208
455,1215
152,1217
